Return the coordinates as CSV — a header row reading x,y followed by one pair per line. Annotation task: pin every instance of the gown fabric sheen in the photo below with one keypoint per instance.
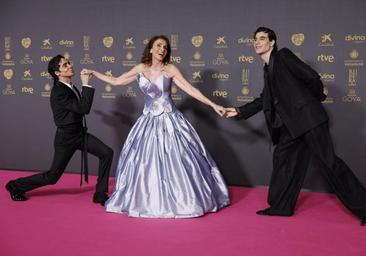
x,y
164,171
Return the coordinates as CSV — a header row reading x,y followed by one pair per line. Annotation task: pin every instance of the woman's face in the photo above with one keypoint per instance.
x,y
159,49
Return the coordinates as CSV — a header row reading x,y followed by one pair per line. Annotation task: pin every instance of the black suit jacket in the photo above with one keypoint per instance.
x,y
68,111
297,93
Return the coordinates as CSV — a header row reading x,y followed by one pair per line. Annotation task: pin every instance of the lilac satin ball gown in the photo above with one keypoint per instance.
x,y
164,171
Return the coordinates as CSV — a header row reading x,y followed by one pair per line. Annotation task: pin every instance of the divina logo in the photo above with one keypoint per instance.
x,y
327,76
45,74
220,76
246,40
355,38
67,43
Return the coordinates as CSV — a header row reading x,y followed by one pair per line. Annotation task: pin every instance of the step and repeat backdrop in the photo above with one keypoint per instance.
x,y
212,46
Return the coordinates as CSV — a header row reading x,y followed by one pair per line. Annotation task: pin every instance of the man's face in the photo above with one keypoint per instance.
x,y
262,44
65,69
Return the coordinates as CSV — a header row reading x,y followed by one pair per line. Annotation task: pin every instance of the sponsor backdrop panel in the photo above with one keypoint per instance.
x,y
211,44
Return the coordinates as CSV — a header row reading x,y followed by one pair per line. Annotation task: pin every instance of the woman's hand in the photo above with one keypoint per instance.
x,y
85,71
220,110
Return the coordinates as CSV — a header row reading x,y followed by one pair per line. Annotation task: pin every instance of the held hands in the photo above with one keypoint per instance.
x,y
86,71
230,112
225,112
85,76
220,110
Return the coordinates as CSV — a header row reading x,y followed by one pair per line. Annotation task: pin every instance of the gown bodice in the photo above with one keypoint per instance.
x,y
157,94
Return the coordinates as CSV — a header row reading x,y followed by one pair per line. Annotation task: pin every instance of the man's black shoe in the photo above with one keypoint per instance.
x,y
100,198
15,194
270,212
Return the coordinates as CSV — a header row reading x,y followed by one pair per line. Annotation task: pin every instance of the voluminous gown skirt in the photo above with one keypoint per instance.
x,y
164,171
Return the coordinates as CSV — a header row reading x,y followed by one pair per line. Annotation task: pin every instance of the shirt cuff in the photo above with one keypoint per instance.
x,y
88,85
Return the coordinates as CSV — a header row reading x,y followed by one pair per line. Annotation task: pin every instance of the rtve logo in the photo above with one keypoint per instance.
x,y
108,59
176,59
218,93
46,58
326,58
27,90
244,58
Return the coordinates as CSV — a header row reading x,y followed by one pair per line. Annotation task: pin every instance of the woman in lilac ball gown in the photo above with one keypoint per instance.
x,y
164,170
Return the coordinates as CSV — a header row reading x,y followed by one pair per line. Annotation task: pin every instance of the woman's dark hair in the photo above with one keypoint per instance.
x,y
271,35
54,65
147,56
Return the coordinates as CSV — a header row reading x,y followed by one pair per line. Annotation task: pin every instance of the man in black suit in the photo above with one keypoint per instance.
x,y
68,107
298,125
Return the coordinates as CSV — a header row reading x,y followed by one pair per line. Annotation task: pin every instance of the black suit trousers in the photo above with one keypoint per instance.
x,y
65,145
290,162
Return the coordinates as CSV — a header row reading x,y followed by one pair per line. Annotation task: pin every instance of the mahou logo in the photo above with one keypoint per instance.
x,y
8,74
26,42
197,40
108,41
298,39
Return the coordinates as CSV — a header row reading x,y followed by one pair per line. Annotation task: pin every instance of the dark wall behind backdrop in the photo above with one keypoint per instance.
x,y
211,43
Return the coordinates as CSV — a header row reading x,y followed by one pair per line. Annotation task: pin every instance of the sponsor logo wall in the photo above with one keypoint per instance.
x,y
220,62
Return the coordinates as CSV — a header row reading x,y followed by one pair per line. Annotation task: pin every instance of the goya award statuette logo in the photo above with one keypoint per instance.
x,y
174,41
244,95
8,90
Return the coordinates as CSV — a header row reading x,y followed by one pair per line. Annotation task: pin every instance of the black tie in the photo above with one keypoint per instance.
x,y
76,91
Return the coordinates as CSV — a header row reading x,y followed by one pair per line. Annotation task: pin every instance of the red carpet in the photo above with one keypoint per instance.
x,y
61,220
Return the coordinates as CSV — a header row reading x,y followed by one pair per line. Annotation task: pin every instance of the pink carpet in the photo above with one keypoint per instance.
x,y
62,220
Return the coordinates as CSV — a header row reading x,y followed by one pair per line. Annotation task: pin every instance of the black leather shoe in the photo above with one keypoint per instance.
x,y
263,212
100,198
363,221
15,194
270,212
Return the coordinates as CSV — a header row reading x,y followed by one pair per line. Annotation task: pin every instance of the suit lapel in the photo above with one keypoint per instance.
x,y
75,93
270,66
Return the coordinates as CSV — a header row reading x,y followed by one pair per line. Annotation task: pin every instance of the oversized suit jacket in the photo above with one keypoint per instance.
x,y
296,94
68,111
